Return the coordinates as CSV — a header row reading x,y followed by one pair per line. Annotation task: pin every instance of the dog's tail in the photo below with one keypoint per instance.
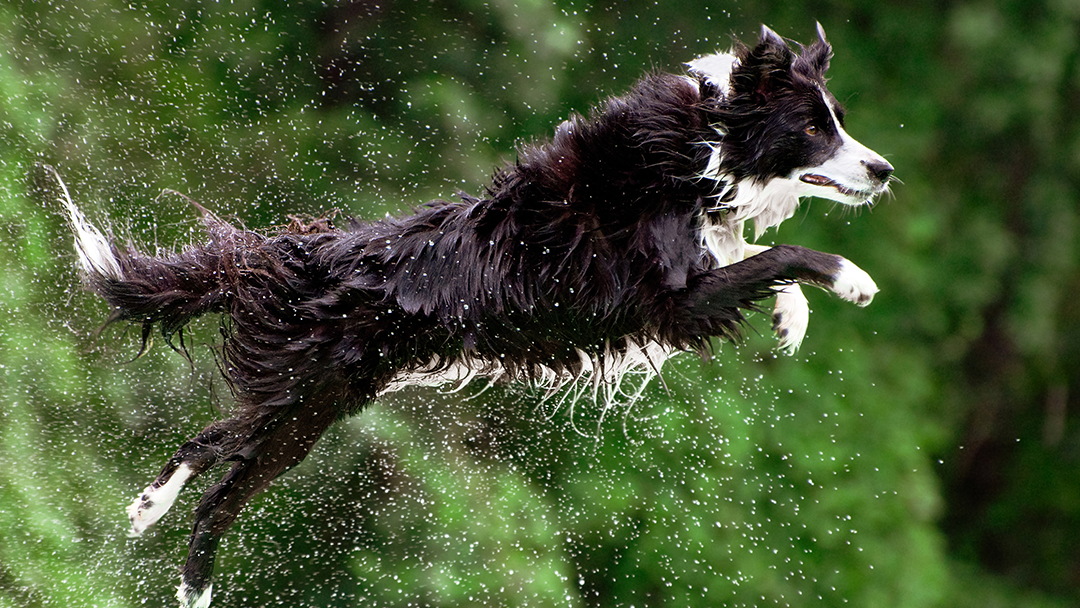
x,y
169,289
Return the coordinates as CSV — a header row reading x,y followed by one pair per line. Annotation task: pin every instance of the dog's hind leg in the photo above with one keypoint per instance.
x,y
192,459
265,455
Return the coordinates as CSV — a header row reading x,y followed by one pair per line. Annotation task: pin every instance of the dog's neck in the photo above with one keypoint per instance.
x,y
767,204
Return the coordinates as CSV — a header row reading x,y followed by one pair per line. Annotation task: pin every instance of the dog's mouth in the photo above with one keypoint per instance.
x,y
815,179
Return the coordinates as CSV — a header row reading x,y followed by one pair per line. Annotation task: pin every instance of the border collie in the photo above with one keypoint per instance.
x,y
598,253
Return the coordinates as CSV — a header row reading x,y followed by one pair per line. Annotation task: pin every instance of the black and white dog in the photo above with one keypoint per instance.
x,y
598,253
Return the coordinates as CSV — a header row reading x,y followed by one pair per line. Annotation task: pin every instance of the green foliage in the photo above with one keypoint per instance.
x,y
916,453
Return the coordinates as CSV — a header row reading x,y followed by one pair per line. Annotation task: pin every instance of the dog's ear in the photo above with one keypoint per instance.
x,y
771,38
765,68
818,54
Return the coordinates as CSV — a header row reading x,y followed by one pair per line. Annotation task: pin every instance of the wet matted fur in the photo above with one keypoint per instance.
x,y
600,252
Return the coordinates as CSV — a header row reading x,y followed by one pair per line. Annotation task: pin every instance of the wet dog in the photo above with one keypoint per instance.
x,y
598,253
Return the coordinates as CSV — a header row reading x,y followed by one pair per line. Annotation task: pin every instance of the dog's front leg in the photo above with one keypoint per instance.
x,y
791,313
825,270
711,303
791,317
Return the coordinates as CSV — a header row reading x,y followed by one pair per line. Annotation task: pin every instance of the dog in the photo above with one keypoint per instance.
x,y
598,253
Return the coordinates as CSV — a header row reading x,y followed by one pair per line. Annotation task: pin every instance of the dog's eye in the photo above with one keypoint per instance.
x,y
812,130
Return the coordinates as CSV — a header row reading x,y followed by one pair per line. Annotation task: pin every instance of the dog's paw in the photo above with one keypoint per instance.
x,y
155,501
791,317
853,284
194,598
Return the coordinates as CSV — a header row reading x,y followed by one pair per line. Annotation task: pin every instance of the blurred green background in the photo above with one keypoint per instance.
x,y
921,452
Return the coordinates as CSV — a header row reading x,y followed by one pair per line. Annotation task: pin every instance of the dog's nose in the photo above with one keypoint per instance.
x,y
881,170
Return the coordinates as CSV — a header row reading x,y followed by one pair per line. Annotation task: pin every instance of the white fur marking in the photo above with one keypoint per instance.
x,y
791,313
153,503
601,378
712,170
190,599
95,253
459,373
766,204
716,68
607,370
854,284
791,317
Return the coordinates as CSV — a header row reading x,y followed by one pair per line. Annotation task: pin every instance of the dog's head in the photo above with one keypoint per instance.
x,y
780,122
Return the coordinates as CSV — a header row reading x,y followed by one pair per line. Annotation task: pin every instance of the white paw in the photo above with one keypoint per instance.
x,y
190,598
853,284
153,503
791,317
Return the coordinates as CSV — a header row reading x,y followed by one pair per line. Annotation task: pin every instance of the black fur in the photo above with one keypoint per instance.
x,y
591,242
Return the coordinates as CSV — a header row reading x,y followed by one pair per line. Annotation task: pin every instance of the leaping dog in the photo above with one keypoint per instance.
x,y
601,252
